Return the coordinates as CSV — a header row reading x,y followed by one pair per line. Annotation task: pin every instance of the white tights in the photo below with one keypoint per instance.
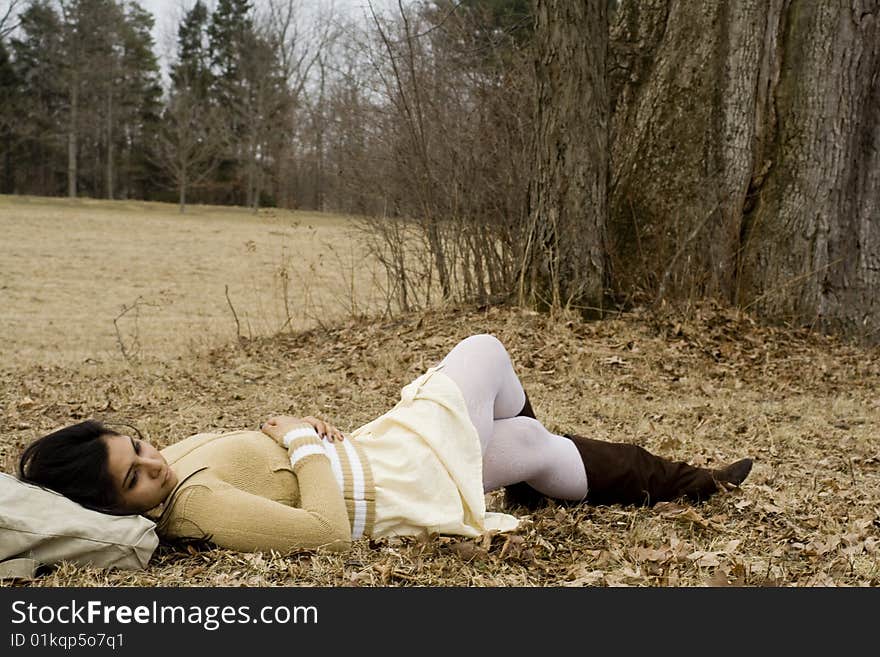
x,y
514,448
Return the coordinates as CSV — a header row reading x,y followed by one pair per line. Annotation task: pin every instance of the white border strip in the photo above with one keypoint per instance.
x,y
360,506
335,464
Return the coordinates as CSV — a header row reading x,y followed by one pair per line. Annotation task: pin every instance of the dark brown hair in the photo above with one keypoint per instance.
x,y
73,461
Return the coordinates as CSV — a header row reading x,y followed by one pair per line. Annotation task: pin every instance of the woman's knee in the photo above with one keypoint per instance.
x,y
486,344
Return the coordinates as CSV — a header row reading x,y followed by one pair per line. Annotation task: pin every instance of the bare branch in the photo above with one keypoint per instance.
x,y
9,18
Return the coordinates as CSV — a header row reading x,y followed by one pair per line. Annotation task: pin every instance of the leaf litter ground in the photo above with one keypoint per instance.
x,y
708,389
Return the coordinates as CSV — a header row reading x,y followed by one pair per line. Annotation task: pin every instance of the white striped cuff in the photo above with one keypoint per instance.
x,y
299,432
304,451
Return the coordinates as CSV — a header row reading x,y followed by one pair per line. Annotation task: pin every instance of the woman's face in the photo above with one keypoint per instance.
x,y
142,476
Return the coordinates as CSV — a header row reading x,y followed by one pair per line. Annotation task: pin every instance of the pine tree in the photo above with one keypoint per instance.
x,y
88,34
111,79
141,101
9,90
267,101
230,33
192,70
38,55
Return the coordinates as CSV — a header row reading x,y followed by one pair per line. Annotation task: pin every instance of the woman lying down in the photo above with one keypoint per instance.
x,y
463,428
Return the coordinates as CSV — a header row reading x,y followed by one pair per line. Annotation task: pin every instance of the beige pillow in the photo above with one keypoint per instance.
x,y
40,526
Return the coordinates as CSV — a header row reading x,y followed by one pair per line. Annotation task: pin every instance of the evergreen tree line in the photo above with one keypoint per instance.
x,y
84,112
81,100
281,106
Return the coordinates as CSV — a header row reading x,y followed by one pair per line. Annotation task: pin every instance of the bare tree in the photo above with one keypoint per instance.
x,y
190,143
429,109
9,17
403,87
346,120
300,37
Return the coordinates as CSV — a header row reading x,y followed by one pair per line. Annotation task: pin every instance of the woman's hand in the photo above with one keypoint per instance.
x,y
325,429
278,425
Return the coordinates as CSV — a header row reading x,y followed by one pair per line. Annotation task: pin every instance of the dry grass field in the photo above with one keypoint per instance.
x,y
69,268
710,388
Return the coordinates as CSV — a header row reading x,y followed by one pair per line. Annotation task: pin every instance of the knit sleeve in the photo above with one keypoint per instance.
x,y
242,521
318,487
237,520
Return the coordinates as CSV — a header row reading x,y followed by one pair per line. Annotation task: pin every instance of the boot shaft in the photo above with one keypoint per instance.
x,y
621,473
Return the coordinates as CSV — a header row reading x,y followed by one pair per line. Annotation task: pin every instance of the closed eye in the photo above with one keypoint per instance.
x,y
136,446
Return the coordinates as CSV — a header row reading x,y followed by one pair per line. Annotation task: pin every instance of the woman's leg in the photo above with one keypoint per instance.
x,y
514,448
481,367
522,449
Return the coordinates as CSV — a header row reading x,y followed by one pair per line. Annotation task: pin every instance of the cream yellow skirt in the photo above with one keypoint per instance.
x,y
427,464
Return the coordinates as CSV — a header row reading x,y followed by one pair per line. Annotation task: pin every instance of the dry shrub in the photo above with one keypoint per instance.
x,y
432,148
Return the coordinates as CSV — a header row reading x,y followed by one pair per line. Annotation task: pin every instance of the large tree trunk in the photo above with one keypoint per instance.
x,y
565,252
746,155
814,231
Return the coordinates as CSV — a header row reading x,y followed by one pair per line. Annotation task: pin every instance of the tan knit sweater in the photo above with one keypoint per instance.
x,y
245,492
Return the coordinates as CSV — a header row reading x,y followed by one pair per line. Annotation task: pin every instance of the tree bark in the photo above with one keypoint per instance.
x,y
746,155
565,252
814,231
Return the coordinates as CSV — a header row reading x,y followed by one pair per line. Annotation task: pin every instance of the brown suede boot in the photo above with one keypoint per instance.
x,y
620,473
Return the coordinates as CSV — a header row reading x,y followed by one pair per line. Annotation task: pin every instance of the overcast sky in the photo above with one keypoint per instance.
x,y
169,12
